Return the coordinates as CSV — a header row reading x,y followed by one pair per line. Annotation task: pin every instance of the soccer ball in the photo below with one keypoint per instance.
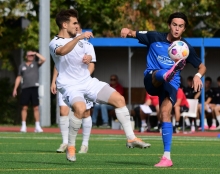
x,y
178,50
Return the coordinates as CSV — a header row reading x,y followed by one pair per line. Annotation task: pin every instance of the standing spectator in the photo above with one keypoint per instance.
x,y
209,99
217,102
105,107
28,75
181,105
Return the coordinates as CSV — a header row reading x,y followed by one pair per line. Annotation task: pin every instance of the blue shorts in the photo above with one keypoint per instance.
x,y
163,91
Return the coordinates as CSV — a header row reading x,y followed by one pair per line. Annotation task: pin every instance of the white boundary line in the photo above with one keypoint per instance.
x,y
114,137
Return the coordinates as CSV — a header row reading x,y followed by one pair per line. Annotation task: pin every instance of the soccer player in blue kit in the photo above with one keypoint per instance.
x,y
162,76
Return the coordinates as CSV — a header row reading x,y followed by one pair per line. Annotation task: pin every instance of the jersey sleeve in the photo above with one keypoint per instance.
x,y
54,44
89,50
193,58
146,37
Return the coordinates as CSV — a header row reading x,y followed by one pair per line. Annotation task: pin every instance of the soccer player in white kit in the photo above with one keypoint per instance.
x,y
75,83
64,109
64,120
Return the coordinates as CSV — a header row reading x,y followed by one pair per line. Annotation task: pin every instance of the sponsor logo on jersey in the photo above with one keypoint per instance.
x,y
24,68
165,60
143,32
80,44
157,45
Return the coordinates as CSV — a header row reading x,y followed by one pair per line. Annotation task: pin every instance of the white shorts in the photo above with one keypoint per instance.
x,y
89,104
88,90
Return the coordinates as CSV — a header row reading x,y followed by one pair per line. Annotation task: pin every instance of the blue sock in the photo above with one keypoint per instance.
x,y
159,75
167,133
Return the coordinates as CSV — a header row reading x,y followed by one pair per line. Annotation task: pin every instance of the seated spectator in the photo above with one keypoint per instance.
x,y
153,103
105,107
209,104
181,105
217,102
190,94
188,90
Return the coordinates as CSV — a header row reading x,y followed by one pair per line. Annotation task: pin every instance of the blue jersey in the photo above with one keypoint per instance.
x,y
157,53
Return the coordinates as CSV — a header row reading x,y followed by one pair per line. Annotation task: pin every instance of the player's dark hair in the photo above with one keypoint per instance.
x,y
209,79
190,78
64,16
218,79
178,15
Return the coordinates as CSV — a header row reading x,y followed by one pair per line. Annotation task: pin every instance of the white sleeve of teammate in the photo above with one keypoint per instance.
x,y
89,49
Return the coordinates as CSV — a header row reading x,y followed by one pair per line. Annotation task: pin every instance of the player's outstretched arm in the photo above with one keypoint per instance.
x,y
126,32
63,50
53,86
197,83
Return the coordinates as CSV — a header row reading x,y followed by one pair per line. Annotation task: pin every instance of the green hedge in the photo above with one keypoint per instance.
x,y
8,104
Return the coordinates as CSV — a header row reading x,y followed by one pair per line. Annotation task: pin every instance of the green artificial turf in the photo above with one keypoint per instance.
x,y
36,153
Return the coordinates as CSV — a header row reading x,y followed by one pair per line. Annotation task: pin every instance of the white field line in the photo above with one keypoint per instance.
x,y
109,169
113,137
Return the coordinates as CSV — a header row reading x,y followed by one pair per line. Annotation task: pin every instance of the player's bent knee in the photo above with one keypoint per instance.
x,y
79,109
86,113
117,100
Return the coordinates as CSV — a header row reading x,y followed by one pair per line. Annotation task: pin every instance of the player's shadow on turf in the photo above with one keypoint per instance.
x,y
127,162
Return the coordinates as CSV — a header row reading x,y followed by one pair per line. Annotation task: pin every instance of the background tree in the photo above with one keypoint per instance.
x,y
203,16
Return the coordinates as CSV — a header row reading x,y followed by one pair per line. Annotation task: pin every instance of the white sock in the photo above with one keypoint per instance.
x,y
87,126
37,124
64,128
208,109
218,118
187,121
174,121
198,122
167,155
143,123
205,122
23,123
177,123
213,122
123,117
74,125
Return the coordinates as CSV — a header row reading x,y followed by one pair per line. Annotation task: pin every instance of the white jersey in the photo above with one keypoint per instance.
x,y
70,67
